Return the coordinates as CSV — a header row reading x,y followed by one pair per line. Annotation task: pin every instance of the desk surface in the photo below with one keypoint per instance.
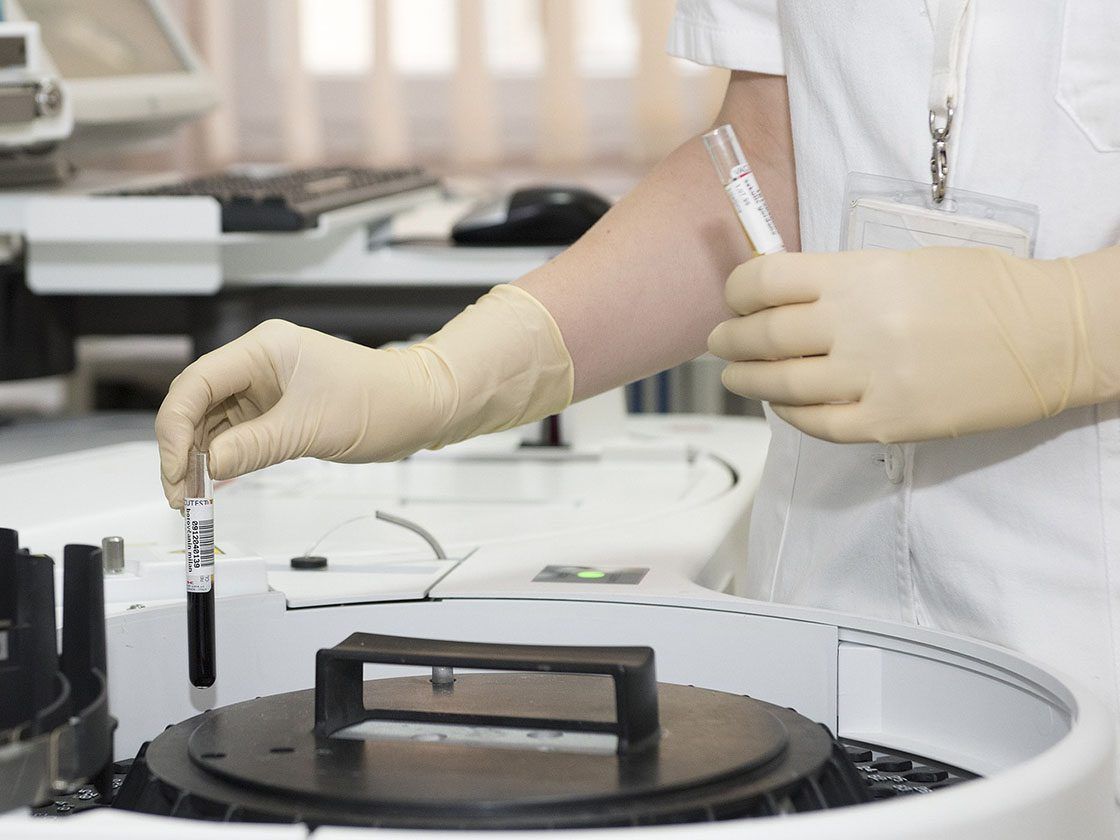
x,y
400,240
357,275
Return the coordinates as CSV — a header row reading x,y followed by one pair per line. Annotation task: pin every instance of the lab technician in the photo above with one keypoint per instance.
x,y
946,424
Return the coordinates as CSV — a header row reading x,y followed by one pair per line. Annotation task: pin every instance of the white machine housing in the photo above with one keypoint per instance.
x,y
36,107
132,105
667,494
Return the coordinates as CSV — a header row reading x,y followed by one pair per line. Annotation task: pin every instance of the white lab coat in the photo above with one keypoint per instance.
x,y
1010,536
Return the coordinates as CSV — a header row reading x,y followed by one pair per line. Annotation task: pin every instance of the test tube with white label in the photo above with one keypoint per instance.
x,y
742,188
198,513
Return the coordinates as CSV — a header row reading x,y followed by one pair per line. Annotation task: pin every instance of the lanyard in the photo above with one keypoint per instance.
x,y
952,28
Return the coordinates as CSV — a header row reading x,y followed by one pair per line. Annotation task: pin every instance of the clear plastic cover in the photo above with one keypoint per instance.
x,y
726,153
894,213
198,484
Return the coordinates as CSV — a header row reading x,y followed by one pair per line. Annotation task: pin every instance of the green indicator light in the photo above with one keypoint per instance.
x,y
592,574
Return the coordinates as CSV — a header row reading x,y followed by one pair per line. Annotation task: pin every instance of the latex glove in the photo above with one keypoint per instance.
x,y
282,391
896,346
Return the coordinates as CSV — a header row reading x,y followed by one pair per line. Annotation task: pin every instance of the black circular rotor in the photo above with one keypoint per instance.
x,y
718,756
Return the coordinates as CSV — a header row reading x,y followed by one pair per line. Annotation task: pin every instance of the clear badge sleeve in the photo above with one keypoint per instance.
x,y
893,213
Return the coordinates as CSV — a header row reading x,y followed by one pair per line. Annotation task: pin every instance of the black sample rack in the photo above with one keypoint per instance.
x,y
54,709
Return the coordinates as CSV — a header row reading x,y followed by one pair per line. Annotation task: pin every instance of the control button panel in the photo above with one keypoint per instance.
x,y
591,574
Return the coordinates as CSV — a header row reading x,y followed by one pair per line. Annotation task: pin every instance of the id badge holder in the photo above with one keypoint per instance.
x,y
882,212
894,213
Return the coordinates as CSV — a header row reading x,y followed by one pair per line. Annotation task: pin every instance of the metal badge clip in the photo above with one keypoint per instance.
x,y
939,155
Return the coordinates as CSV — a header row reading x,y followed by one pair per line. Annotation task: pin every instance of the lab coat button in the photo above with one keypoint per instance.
x,y
894,462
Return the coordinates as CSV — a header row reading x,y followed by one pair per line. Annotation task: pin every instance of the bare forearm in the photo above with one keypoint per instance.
x,y
642,289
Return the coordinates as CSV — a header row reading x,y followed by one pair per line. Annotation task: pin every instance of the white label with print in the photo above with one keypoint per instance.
x,y
3,645
200,544
753,213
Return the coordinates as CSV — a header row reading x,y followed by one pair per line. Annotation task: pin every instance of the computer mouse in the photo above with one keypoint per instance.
x,y
532,216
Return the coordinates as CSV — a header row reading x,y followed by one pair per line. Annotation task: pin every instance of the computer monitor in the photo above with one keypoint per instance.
x,y
130,70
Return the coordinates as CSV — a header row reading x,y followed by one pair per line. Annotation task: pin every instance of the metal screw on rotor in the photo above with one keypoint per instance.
x,y
443,679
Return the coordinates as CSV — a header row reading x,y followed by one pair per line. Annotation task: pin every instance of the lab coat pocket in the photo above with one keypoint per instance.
x,y
1089,66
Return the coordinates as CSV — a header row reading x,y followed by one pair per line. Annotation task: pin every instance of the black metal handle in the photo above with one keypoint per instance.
x,y
338,680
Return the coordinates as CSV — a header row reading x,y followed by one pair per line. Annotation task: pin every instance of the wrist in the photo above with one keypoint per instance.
x,y
500,363
1094,280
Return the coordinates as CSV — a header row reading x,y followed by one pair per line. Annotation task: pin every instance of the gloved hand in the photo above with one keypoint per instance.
x,y
894,346
282,391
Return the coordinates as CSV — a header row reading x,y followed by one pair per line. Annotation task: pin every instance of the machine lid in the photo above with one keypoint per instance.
x,y
587,738
431,760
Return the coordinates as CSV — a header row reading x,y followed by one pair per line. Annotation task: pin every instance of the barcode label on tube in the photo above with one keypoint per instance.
x,y
199,518
753,213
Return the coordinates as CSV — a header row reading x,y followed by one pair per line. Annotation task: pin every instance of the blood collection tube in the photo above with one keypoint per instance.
x,y
198,512
742,188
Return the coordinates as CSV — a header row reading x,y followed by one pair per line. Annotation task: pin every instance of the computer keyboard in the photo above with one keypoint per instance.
x,y
292,199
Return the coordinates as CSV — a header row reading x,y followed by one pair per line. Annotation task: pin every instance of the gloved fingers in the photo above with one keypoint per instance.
x,y
794,382
254,444
773,280
203,385
175,438
782,332
175,434
173,491
835,423
216,423
210,380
